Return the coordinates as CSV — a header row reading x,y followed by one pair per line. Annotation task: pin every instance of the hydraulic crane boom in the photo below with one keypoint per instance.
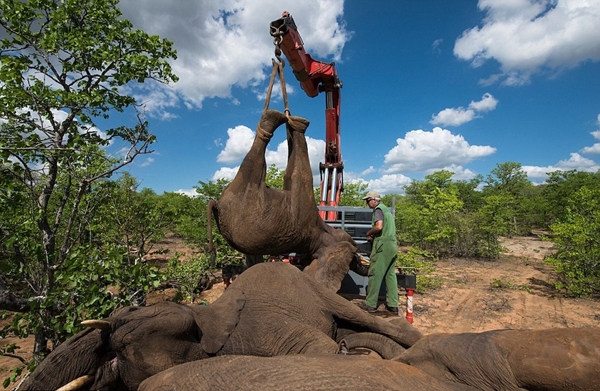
x,y
316,77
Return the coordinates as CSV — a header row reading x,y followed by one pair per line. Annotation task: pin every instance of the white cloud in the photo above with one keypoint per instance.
x,y
388,184
238,144
279,157
276,93
147,162
156,99
575,162
594,149
487,103
435,46
225,173
367,171
222,44
188,192
460,173
420,150
453,117
241,138
527,36
460,115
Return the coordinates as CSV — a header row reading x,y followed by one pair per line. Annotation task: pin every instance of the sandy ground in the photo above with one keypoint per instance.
x,y
515,292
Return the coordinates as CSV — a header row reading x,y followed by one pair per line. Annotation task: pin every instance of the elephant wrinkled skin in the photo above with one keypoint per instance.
x,y
258,220
558,359
297,372
271,309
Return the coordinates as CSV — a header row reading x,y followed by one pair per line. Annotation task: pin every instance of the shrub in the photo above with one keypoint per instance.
x,y
577,241
421,263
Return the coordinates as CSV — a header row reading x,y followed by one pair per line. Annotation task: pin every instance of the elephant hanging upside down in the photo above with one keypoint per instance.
x,y
258,220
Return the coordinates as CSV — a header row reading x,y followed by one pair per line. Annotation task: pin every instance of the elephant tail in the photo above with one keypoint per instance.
x,y
210,207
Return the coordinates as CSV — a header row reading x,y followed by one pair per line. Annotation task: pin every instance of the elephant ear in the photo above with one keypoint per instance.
x,y
218,320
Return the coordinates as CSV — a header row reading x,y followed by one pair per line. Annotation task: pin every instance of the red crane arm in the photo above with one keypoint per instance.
x,y
316,77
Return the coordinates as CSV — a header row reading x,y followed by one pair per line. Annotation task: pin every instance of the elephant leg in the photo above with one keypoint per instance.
x,y
253,169
304,339
298,174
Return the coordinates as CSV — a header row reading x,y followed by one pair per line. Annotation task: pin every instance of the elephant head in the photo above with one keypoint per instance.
x,y
269,310
258,220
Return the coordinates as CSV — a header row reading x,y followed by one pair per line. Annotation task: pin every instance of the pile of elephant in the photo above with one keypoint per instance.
x,y
279,328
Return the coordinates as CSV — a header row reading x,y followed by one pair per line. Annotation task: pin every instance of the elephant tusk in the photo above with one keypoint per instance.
x,y
96,324
77,383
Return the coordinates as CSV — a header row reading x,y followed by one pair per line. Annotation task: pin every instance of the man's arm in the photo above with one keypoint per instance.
x,y
376,229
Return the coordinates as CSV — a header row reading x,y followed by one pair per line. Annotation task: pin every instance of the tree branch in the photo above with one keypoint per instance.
x,y
10,302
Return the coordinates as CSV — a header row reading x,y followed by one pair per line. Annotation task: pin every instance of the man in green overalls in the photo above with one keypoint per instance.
x,y
384,250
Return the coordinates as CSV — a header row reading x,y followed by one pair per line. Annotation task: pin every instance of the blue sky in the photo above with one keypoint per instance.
x,y
428,85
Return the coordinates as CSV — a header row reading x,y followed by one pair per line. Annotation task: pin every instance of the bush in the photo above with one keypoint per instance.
x,y
186,276
421,263
577,241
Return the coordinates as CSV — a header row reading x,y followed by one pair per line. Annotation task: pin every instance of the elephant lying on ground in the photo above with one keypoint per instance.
x,y
271,309
550,360
297,372
258,220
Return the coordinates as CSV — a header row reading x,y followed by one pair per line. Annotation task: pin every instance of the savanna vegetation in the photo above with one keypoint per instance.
x,y
75,229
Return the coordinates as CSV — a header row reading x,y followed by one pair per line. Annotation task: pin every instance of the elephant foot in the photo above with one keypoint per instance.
x,y
297,124
269,121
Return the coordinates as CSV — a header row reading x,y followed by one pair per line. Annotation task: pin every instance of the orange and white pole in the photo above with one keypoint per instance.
x,y
409,305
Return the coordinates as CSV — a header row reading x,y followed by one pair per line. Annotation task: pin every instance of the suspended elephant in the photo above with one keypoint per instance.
x,y
271,309
558,359
296,372
258,220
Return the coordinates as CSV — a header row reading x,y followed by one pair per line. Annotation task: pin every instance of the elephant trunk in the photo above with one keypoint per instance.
x,y
380,344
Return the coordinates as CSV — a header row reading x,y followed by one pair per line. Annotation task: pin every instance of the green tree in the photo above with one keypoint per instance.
x,y
441,210
469,194
493,219
509,181
212,191
429,214
274,177
577,241
136,220
353,193
507,178
62,67
417,190
560,188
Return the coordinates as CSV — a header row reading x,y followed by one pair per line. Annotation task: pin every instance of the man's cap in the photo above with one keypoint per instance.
x,y
372,194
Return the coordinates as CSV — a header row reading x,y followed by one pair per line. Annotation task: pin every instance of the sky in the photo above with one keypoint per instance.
x,y
427,85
